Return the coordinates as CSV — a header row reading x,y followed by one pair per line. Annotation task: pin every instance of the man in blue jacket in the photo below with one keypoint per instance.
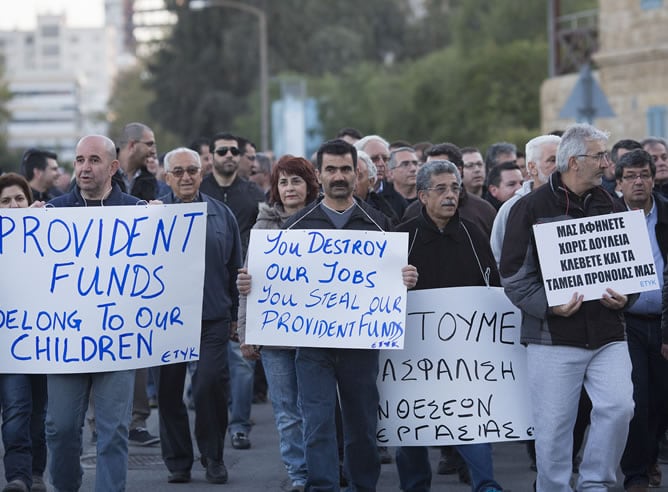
x,y
112,391
219,318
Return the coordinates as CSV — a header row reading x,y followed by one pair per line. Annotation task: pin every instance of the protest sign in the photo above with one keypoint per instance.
x,y
462,375
326,288
591,254
93,289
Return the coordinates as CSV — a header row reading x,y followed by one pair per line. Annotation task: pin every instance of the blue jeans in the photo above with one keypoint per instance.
x,y
556,376
112,394
23,398
650,389
319,373
242,372
281,373
415,470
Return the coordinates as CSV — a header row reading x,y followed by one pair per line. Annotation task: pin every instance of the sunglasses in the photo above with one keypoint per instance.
x,y
179,171
221,151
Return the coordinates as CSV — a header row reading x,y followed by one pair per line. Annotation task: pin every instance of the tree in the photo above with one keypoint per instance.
x,y
130,101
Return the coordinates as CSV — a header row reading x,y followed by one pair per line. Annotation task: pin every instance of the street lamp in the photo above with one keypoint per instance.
x,y
264,71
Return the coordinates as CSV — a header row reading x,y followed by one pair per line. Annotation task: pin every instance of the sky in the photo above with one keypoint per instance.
x,y
22,14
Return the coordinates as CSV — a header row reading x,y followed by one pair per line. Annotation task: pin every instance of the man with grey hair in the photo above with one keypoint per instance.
x,y
500,152
378,150
111,392
403,165
219,318
658,149
574,344
468,262
541,159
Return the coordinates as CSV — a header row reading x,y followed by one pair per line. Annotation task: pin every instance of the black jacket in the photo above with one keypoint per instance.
x,y
460,256
242,196
593,325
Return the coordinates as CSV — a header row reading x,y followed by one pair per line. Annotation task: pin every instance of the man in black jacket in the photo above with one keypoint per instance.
x,y
137,142
448,252
242,196
573,344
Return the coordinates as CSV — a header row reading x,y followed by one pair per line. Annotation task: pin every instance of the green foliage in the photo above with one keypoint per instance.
x,y
469,71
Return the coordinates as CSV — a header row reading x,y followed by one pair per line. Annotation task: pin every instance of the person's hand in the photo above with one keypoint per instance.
x,y
570,308
37,204
664,350
244,282
234,334
155,202
250,352
409,275
613,300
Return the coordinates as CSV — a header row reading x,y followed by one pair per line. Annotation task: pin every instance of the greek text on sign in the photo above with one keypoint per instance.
x,y
327,288
591,254
93,289
462,375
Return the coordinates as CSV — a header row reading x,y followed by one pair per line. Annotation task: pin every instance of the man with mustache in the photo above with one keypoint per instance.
x,y
322,372
574,344
447,251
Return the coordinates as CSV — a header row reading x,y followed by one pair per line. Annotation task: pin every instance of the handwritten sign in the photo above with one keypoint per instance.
x,y
591,254
327,288
462,376
101,288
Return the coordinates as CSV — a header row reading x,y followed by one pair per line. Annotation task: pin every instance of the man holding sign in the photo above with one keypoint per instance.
x,y
448,252
577,343
321,371
94,165
219,314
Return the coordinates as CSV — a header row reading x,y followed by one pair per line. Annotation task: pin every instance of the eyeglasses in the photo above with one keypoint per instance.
x,y
178,172
378,157
221,151
442,190
632,177
598,157
470,165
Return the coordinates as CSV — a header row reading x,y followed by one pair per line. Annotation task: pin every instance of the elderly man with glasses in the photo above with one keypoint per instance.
x,y
219,314
580,343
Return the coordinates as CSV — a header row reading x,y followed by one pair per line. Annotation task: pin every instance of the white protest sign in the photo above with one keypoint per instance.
x,y
94,289
591,254
462,376
326,288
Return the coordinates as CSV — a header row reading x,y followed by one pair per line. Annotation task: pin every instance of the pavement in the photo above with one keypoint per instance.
x,y
260,468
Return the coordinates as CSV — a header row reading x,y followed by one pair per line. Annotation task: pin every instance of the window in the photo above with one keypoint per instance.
x,y
651,4
51,50
50,31
656,121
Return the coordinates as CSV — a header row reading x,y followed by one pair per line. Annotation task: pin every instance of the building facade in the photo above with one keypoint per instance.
x,y
631,67
60,79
